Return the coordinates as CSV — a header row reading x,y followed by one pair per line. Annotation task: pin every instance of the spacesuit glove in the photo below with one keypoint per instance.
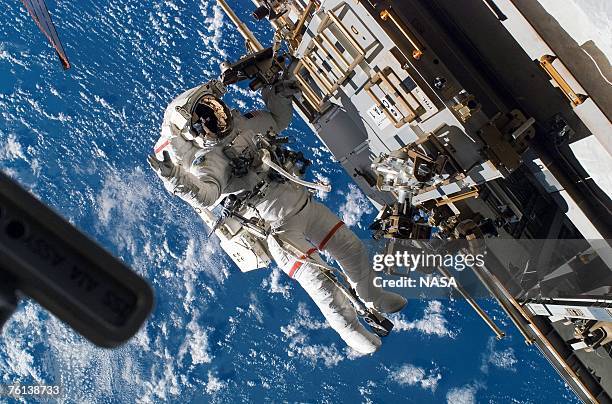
x,y
164,168
286,88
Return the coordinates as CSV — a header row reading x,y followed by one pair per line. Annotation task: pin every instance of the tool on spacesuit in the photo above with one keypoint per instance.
x,y
290,160
240,162
285,163
231,206
267,160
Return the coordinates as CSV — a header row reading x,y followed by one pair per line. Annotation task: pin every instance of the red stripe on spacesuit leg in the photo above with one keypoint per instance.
x,y
321,246
294,268
309,252
298,264
162,146
330,234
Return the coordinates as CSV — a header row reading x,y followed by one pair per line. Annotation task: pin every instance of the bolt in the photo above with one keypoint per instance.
x,y
439,83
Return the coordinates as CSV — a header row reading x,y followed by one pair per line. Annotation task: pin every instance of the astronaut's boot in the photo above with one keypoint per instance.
x,y
389,302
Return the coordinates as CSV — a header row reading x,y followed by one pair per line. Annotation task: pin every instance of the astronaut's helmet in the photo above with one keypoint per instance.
x,y
211,118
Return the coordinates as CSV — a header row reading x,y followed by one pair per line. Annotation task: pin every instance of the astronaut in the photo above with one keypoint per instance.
x,y
207,151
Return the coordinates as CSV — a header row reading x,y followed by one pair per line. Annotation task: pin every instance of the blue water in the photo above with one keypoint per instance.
x,y
79,141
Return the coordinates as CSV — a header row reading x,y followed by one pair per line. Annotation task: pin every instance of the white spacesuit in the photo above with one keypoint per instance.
x,y
207,152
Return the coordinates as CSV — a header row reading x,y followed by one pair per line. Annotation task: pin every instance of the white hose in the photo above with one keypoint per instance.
x,y
267,160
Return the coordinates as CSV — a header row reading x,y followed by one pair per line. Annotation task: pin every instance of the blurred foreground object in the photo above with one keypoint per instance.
x,y
44,257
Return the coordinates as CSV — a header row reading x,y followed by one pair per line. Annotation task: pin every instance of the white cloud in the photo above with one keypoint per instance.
x,y
121,210
245,99
66,357
462,395
352,354
273,283
18,361
254,310
329,355
11,149
432,322
366,391
214,384
355,206
200,256
142,340
195,343
321,178
410,375
214,25
163,382
297,334
35,166
505,359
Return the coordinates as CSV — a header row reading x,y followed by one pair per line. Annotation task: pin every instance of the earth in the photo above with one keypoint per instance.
x,y
78,140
